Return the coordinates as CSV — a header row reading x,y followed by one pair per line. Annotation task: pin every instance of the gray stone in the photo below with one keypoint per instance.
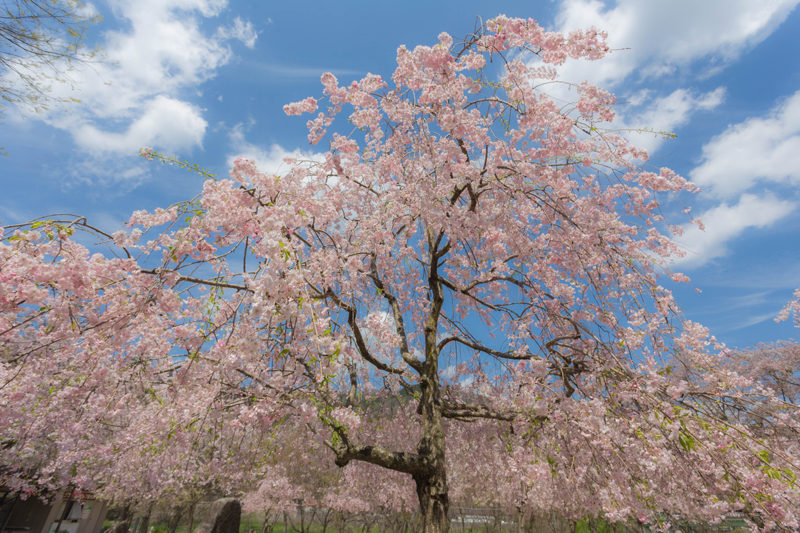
x,y
224,517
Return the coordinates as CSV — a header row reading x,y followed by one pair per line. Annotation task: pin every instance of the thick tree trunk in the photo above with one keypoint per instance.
x,y
427,465
432,479
432,494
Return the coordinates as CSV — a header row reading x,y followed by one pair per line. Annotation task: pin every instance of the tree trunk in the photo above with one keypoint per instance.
x,y
432,495
64,514
175,520
266,524
191,516
325,519
427,465
145,523
302,512
432,480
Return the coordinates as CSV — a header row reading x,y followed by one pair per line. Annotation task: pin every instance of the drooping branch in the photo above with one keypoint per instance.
x,y
399,323
361,344
67,221
452,286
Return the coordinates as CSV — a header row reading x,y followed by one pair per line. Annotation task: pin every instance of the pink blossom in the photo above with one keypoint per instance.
x,y
307,105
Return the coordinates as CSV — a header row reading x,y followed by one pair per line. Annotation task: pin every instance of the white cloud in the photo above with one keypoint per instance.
x,y
748,300
449,372
763,149
170,124
159,51
654,38
661,115
241,30
724,222
207,8
86,10
289,72
268,160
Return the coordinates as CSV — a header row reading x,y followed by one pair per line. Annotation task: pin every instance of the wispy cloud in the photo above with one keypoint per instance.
x,y
748,300
724,222
241,31
646,118
296,72
753,320
756,151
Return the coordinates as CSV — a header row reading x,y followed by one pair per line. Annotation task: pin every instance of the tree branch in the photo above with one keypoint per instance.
x,y
199,281
399,324
359,338
484,349
409,463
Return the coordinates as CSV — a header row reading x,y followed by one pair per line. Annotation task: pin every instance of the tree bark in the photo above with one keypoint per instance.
x,y
431,480
191,516
426,467
432,495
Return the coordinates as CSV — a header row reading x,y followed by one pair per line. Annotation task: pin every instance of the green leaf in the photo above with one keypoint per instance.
x,y
687,441
40,223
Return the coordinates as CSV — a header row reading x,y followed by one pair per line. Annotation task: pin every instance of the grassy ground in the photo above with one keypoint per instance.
x,y
254,522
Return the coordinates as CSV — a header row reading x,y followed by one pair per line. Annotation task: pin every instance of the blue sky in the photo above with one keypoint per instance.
x,y
205,80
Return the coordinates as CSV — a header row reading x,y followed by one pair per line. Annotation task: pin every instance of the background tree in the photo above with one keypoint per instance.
x,y
470,249
775,366
39,41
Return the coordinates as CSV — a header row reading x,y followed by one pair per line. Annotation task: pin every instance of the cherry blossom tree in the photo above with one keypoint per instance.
x,y
467,246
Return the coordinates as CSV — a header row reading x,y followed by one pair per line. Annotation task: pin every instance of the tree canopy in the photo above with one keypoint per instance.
x,y
462,289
